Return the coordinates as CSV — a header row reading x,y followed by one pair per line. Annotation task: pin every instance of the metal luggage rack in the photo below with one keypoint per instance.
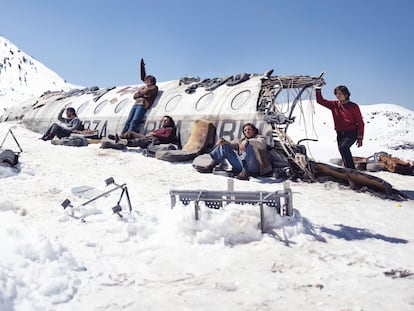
x,y
281,200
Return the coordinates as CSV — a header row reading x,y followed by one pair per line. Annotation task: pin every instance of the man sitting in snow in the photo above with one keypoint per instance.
x,y
248,156
65,127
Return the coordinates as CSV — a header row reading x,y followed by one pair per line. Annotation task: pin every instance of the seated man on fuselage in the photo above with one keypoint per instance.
x,y
65,127
166,134
248,156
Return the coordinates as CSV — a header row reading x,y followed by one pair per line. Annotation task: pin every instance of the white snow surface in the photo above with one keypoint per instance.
x,y
343,250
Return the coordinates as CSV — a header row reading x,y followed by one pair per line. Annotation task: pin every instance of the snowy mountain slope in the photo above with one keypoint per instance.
x,y
394,125
21,76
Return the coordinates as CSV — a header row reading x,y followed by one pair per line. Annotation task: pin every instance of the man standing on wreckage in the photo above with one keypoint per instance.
x,y
348,121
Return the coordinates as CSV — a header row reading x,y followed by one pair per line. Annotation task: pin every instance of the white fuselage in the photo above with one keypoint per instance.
x,y
228,107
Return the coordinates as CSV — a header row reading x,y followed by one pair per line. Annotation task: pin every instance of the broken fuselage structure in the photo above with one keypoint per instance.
x,y
228,102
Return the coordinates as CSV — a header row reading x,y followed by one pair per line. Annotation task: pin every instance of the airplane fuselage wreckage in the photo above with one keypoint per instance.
x,y
227,102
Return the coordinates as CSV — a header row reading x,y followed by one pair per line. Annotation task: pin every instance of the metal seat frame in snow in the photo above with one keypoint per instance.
x,y
9,157
116,209
281,200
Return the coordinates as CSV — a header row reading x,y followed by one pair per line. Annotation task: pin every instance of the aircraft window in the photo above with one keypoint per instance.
x,y
100,106
122,105
82,107
204,101
240,100
172,103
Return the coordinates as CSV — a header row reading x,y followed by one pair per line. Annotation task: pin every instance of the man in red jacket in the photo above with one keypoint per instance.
x,y
164,135
348,122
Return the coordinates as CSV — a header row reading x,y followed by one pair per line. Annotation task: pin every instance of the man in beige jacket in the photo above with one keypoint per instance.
x,y
248,156
144,99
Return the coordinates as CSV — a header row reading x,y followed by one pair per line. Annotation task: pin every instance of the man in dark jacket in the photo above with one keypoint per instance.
x,y
65,127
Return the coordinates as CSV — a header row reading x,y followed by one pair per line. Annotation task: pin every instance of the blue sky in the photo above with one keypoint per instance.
x,y
367,45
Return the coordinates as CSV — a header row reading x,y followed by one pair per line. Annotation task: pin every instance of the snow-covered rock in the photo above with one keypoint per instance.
x,y
21,76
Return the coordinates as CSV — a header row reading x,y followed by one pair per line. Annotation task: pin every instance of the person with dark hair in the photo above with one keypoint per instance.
x,y
348,122
65,127
248,156
166,134
144,99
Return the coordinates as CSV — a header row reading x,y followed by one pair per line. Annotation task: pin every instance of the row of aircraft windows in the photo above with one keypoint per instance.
x,y
203,102
118,108
238,102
